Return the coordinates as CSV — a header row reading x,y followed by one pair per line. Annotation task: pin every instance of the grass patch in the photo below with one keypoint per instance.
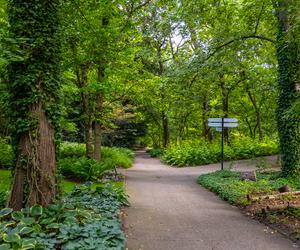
x,y
228,186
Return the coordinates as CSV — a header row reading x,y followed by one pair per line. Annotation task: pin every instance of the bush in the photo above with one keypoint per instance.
x,y
83,168
73,163
228,185
121,157
155,152
85,219
200,154
71,149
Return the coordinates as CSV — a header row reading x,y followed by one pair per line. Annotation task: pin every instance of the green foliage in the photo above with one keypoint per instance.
x,y
190,154
4,186
85,219
83,168
155,152
228,186
6,154
71,149
74,164
121,157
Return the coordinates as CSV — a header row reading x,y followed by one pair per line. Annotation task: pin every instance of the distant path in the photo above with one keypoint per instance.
x,y
170,211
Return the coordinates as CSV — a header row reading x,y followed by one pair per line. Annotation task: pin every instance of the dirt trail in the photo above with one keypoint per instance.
x,y
170,211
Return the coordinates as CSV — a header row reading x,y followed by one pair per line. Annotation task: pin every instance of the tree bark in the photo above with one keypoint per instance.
x,y
35,164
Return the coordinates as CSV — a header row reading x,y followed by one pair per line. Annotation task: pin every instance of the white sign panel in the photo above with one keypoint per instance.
x,y
220,120
226,125
230,125
214,124
219,129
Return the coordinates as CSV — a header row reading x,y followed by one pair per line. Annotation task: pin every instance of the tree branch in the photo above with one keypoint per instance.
x,y
260,37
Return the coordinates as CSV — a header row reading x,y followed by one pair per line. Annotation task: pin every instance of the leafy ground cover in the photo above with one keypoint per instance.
x,y
191,154
86,218
279,212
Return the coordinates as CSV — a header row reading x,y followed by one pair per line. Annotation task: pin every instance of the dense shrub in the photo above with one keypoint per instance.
x,y
74,164
155,152
85,219
83,168
121,157
228,185
200,154
71,149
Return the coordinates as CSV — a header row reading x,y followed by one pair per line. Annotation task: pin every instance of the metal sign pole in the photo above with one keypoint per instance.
x,y
222,156
220,124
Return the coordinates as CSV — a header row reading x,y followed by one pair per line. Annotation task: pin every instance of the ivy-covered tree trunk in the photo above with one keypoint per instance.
x,y
34,85
288,53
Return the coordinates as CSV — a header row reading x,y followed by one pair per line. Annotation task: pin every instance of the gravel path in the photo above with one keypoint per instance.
x,y
170,211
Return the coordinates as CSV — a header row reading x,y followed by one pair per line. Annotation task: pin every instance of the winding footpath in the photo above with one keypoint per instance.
x,y
170,211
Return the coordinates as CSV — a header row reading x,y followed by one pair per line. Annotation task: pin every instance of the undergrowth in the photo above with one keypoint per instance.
x,y
228,185
191,154
84,219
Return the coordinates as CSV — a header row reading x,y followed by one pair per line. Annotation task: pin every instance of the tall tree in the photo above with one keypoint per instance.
x,y
288,53
34,92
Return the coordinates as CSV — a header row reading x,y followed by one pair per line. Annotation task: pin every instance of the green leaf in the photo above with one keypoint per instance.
x,y
36,210
46,221
5,247
17,216
28,221
5,211
11,238
26,230
28,244
53,226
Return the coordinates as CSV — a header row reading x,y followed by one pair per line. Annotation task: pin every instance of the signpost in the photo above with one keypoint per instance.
x,y
220,124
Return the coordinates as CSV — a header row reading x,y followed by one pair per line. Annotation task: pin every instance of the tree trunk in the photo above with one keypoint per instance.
x,y
166,133
225,106
35,164
82,79
206,130
34,93
258,115
288,69
98,114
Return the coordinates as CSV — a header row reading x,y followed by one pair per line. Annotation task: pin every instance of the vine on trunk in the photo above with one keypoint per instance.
x,y
34,85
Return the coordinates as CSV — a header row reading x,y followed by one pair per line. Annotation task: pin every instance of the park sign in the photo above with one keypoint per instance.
x,y
220,124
